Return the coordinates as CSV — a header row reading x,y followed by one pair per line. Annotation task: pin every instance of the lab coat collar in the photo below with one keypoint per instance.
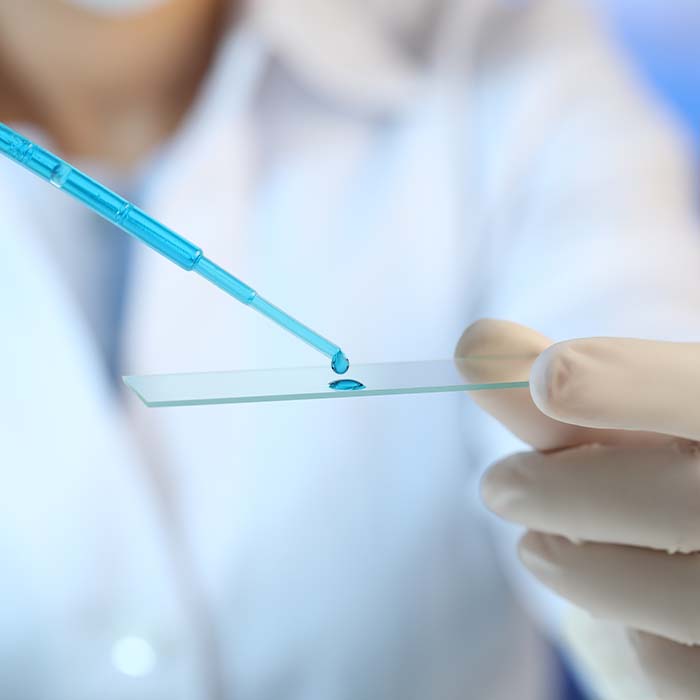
x,y
356,52
345,50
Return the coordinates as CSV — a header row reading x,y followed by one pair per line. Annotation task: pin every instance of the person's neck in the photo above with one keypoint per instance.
x,y
108,89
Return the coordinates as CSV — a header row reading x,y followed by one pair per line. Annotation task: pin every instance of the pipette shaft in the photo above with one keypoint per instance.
x,y
165,241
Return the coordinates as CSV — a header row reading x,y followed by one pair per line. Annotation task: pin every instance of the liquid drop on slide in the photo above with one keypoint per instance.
x,y
346,385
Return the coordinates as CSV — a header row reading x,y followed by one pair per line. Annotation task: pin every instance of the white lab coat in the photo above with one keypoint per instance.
x,y
387,198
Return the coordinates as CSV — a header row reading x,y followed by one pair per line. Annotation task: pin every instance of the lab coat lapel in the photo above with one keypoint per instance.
x,y
201,188
83,556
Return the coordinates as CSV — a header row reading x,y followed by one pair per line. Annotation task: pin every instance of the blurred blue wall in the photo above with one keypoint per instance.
x,y
664,38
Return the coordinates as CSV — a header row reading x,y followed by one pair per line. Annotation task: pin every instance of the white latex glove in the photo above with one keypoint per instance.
x,y
611,497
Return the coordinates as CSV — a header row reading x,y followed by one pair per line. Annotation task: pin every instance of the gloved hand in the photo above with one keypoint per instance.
x,y
611,496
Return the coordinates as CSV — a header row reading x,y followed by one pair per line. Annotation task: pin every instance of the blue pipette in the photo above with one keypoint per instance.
x,y
133,220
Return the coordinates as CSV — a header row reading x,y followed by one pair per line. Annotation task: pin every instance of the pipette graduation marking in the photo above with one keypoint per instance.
x,y
136,222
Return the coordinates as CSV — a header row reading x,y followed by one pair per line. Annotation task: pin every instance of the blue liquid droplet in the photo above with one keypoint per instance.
x,y
346,385
340,363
